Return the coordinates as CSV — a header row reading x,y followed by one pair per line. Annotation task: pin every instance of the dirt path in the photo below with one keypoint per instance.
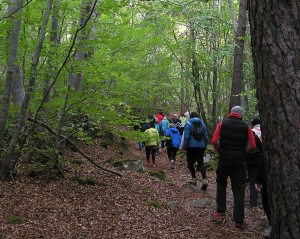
x,y
136,205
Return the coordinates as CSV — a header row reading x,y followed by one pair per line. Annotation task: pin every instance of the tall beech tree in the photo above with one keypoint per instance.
x,y
15,8
237,79
5,167
275,34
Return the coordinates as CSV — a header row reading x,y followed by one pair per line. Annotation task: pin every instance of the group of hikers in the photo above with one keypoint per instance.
x,y
240,156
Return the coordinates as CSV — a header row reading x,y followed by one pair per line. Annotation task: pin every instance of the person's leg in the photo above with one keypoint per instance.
x,y
140,145
163,142
238,179
175,150
200,167
169,153
222,171
252,171
199,158
153,151
148,152
190,161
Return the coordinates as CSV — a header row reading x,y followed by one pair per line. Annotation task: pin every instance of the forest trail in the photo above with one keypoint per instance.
x,y
136,205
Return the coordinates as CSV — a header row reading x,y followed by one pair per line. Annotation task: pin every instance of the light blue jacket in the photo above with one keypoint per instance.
x,y
164,124
189,141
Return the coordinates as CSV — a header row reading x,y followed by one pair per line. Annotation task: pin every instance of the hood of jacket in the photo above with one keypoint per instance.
x,y
195,120
235,115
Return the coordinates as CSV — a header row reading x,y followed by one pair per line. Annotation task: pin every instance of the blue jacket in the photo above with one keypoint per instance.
x,y
164,124
159,129
189,141
175,135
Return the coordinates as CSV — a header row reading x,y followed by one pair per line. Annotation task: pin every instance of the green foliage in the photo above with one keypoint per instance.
x,y
77,161
155,204
211,165
83,137
15,220
85,181
62,161
159,174
140,56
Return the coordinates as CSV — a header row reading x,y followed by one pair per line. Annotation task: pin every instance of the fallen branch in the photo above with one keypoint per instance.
x,y
76,148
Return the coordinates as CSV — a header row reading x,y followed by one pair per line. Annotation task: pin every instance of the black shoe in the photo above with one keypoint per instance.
x,y
239,226
204,185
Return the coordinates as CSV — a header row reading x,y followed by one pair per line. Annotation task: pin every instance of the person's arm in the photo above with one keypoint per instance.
x,y
216,138
258,187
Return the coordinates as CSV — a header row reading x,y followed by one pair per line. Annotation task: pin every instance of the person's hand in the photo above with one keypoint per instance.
x,y
258,187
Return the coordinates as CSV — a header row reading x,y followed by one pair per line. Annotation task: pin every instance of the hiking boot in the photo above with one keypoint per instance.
x,y
217,216
147,163
239,226
172,164
204,185
153,165
193,181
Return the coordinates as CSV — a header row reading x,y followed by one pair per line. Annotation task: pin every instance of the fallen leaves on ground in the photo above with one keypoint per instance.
x,y
117,207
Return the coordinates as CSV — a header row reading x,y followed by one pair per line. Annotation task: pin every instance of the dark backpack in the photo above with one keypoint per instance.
x,y
198,132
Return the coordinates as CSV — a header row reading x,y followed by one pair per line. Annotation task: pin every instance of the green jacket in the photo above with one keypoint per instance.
x,y
153,137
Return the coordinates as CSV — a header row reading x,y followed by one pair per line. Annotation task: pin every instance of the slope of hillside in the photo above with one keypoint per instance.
x,y
136,205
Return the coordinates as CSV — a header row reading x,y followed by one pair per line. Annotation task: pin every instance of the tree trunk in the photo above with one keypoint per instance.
x,y
16,5
5,168
75,79
214,98
232,17
236,88
196,79
18,92
275,32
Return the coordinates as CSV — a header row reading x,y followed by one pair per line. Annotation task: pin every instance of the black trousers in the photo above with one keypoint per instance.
x,y
150,150
237,171
252,171
196,155
172,152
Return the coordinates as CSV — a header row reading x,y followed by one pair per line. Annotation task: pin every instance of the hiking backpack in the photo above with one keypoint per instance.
x,y
198,132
